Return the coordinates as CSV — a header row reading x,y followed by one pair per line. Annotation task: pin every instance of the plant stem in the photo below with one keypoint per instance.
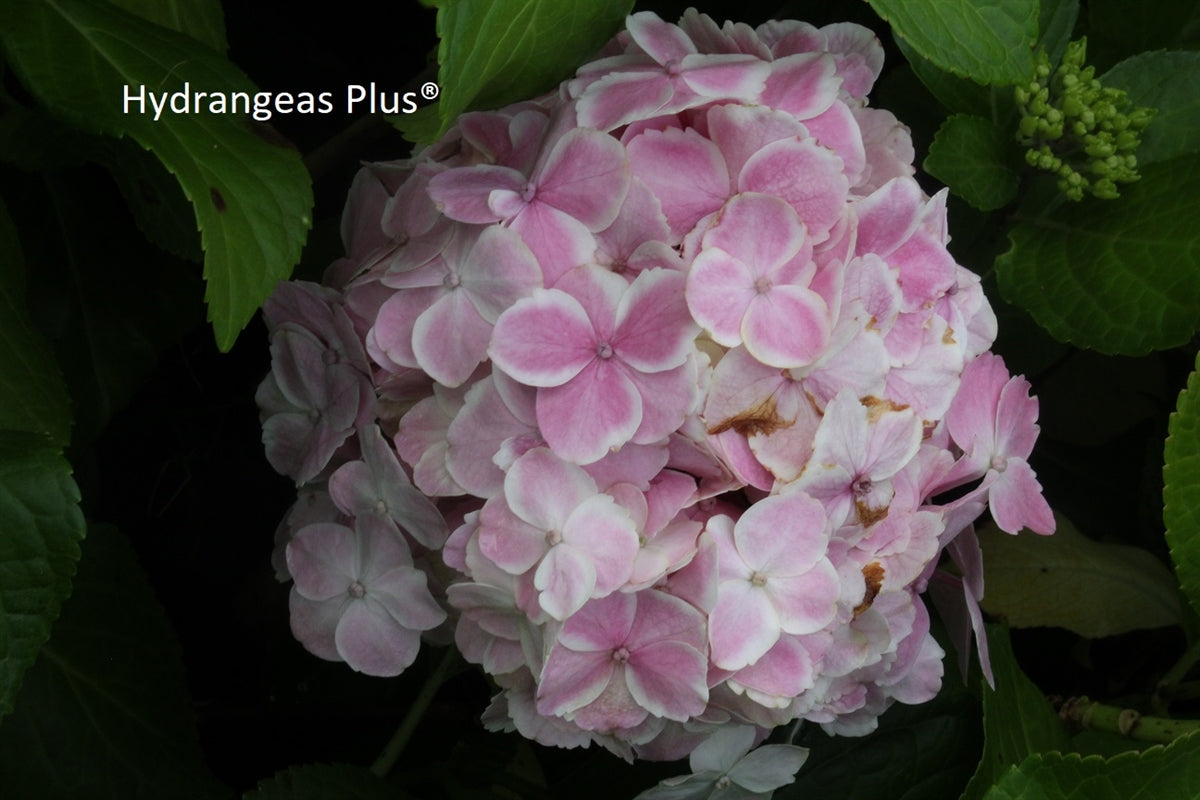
x,y
1125,721
396,745
1166,690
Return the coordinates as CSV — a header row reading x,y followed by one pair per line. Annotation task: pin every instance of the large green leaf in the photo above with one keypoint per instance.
x,y
40,529
1056,19
1119,276
321,781
990,41
104,713
1159,773
1181,488
203,20
976,159
33,397
1168,81
251,196
1017,720
495,52
1056,22
1070,581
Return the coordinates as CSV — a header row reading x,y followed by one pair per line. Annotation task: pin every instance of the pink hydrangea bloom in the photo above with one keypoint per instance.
x,y
679,357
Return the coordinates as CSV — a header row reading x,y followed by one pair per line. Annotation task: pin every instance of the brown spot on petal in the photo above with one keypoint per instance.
x,y
878,406
763,418
869,516
873,575
948,336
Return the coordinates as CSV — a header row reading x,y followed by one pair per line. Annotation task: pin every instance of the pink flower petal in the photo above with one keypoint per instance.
x,y
743,626
543,340
371,642
668,679
684,170
586,176
599,409
786,327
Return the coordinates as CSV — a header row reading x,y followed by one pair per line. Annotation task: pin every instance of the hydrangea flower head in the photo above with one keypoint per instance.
x,y
653,388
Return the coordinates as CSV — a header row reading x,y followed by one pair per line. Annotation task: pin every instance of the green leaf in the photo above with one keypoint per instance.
x,y
1056,21
1168,81
33,397
1119,276
958,94
976,159
41,527
1159,773
965,96
1017,720
495,52
322,781
422,126
251,195
1069,581
918,753
1181,488
161,211
991,41
203,20
104,713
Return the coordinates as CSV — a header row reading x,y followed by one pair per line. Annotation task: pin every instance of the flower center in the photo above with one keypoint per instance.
x,y
451,281
553,537
758,579
723,782
763,285
380,506
999,463
530,192
620,655
861,486
604,350
357,590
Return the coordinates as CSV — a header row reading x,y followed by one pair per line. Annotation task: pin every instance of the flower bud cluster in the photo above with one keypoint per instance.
x,y
1078,129
648,393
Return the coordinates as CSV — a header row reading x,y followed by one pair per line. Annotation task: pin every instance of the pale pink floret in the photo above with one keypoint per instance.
x,y
575,189
443,322
625,657
856,452
377,485
672,77
774,578
310,403
602,350
551,516
993,419
749,285
357,596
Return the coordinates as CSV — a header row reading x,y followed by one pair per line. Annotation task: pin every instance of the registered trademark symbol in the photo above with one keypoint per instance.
x,y
429,90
